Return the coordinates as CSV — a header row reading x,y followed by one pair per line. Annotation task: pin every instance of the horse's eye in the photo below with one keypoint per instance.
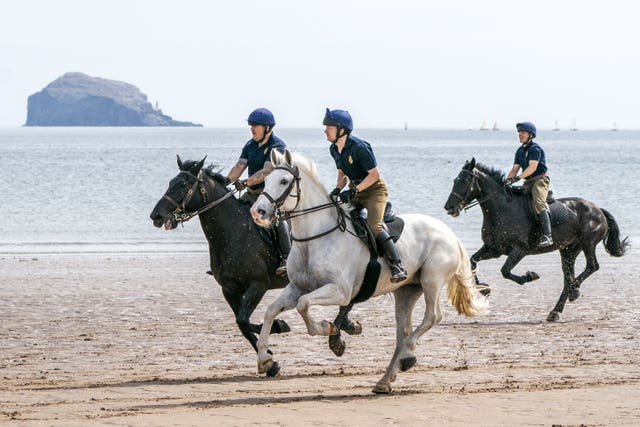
x,y
284,181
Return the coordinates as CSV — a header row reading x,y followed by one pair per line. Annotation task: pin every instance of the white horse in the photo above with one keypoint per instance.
x,y
328,266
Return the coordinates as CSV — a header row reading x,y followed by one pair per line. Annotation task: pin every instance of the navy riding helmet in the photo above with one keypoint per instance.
x,y
527,127
339,118
261,116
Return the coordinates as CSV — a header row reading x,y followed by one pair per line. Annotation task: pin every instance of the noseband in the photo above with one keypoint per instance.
x,y
180,213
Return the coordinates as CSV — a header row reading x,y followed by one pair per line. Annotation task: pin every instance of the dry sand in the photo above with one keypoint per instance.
x,y
147,339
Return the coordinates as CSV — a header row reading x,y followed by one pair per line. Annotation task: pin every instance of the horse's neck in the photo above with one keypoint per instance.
x,y
313,223
224,221
495,202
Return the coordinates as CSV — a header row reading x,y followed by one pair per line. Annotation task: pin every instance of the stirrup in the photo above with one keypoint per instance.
x,y
398,274
545,242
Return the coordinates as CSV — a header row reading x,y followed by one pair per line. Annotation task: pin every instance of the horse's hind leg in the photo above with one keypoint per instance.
x,y
569,290
405,300
287,300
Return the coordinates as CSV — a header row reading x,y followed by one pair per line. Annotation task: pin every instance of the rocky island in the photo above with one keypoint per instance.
x,y
76,99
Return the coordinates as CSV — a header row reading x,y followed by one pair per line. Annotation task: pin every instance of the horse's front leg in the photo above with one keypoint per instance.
x,y
329,294
286,301
514,257
485,252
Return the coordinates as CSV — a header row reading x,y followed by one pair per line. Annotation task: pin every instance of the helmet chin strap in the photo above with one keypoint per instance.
x,y
266,129
339,135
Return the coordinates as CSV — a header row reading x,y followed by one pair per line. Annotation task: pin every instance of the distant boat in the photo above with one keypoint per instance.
x,y
406,126
469,126
555,127
615,127
495,126
573,125
484,125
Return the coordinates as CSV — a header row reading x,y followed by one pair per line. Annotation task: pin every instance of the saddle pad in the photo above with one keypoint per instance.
x,y
559,213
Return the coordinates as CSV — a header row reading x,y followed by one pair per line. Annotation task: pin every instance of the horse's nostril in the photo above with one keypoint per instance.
x,y
261,212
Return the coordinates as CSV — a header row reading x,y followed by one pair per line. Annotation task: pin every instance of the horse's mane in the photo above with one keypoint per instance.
x,y
306,165
496,174
213,172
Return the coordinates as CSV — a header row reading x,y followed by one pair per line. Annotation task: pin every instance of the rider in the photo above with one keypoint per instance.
x,y
356,162
530,158
256,155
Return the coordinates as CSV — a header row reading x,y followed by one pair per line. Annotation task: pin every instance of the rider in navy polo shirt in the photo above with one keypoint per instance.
x,y
531,159
256,156
357,164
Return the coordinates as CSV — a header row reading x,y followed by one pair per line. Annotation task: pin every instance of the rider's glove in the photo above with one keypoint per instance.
x,y
512,180
334,193
240,184
346,195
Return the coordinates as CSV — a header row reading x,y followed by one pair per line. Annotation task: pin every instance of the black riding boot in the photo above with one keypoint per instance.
x,y
284,246
398,273
545,224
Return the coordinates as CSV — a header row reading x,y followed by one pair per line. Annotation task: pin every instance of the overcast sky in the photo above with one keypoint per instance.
x,y
430,63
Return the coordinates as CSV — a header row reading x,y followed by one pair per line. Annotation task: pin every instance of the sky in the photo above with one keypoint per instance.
x,y
431,64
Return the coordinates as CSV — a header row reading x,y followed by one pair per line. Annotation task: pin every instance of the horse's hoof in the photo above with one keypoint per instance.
x,y
407,363
337,345
554,316
274,370
353,328
531,276
484,289
574,294
382,388
329,328
280,327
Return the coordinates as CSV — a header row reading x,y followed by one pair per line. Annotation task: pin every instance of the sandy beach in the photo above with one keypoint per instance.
x,y
147,339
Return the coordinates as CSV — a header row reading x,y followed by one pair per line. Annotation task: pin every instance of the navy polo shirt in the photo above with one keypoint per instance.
x,y
531,151
256,155
356,159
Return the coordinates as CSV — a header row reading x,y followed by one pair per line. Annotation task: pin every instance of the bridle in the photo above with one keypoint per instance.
x,y
180,213
283,216
464,204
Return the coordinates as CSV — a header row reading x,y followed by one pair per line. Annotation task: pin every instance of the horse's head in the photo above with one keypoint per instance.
x,y
181,197
464,189
278,193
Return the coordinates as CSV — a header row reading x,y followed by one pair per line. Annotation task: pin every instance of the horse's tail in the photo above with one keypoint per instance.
x,y
461,288
612,243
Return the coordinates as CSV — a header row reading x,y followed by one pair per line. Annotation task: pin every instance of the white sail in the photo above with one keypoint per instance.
x,y
573,125
555,126
484,125
495,126
615,127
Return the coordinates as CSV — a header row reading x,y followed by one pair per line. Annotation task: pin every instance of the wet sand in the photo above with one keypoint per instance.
x,y
147,339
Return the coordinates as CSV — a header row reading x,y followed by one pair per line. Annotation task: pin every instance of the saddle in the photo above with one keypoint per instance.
x,y
557,211
390,222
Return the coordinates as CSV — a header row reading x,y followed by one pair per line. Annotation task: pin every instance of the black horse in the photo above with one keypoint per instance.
x,y
510,228
242,260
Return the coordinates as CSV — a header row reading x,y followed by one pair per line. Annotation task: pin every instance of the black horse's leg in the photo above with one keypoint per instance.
x,y
514,257
235,302
568,256
485,252
336,343
591,266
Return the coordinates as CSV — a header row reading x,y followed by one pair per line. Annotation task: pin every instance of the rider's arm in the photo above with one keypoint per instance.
x,y
237,169
372,176
530,170
514,170
342,179
259,176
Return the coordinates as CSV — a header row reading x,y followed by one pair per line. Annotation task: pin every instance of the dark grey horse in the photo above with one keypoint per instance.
x,y
242,260
510,228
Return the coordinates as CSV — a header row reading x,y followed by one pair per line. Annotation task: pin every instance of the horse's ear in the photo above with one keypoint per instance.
x,y
287,157
473,163
198,166
179,161
275,157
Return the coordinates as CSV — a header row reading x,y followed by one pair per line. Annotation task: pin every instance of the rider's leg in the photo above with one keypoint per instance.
x,y
398,273
284,246
539,192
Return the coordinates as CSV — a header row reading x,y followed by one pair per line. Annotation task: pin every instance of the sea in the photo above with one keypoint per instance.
x,y
92,189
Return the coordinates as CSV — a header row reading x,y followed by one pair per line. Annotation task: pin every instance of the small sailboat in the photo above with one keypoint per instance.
x,y
573,125
615,127
555,127
495,126
469,126
406,126
484,125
